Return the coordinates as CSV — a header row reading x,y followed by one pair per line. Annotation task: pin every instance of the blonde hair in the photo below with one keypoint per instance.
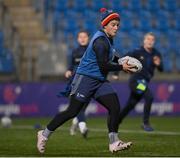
x,y
149,33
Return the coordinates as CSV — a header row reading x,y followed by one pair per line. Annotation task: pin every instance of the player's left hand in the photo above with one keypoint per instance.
x,y
115,77
126,67
68,74
156,60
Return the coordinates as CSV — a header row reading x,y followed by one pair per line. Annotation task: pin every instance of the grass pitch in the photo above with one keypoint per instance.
x,y
20,139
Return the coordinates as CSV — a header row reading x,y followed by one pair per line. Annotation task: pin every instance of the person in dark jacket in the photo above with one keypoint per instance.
x,y
77,53
151,59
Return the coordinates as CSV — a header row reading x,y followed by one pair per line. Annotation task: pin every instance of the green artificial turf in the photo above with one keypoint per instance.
x,y
20,139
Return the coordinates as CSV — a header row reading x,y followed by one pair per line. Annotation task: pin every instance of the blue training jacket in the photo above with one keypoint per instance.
x,y
88,65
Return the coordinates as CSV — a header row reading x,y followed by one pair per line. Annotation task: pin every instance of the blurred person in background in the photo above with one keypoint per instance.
x,y
90,81
77,53
138,82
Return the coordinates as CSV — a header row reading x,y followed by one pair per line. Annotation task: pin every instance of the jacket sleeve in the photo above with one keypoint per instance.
x,y
71,61
101,48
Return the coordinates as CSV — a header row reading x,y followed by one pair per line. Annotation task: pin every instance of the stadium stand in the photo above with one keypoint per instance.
x,y
138,17
56,22
26,35
6,57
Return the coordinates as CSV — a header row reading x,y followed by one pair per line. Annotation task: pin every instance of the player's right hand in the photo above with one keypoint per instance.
x,y
68,74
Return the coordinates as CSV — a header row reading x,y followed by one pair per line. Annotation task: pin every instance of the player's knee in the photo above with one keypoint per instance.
x,y
71,112
74,107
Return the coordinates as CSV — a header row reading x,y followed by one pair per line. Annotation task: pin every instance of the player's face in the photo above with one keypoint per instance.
x,y
112,27
149,41
83,38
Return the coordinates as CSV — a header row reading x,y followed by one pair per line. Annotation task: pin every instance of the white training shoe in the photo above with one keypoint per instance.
x,y
83,129
73,129
119,145
85,133
74,126
41,142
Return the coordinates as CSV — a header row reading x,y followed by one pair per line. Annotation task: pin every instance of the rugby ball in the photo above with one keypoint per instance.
x,y
6,122
131,61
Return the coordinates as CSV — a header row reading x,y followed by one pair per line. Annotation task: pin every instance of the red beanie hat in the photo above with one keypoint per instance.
x,y
107,16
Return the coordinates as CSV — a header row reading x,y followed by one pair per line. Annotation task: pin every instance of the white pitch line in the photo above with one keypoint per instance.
x,y
140,132
105,130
